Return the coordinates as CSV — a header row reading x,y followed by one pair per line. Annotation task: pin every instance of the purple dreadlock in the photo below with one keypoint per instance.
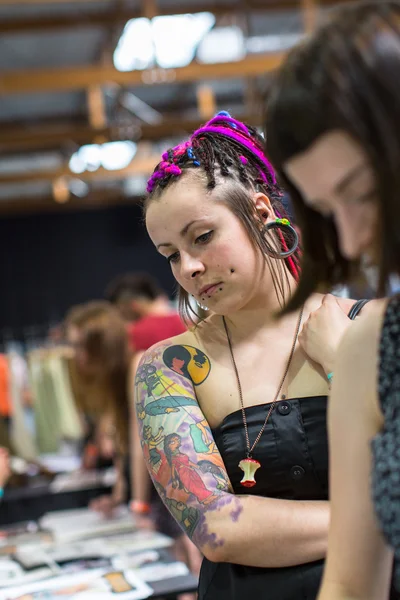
x,y
223,143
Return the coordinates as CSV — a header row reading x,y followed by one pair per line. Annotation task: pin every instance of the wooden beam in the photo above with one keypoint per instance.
x,y
103,19
94,200
19,138
206,102
310,15
75,78
61,192
149,8
139,166
29,2
96,107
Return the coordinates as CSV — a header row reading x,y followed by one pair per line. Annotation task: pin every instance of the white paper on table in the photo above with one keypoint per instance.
x,y
12,574
136,560
31,556
71,525
90,585
140,540
161,571
35,555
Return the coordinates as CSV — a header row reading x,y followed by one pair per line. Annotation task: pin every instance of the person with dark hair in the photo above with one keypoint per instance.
x,y
238,400
332,125
147,309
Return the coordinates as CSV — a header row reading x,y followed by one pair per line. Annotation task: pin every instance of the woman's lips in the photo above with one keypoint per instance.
x,y
209,290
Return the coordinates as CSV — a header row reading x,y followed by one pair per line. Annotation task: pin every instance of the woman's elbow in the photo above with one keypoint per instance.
x,y
216,549
214,553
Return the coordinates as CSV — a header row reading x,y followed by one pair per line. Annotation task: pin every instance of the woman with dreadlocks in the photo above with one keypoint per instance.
x,y
235,407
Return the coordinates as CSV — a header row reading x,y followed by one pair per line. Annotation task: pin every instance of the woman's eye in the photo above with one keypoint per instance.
x,y
203,239
326,213
173,258
367,197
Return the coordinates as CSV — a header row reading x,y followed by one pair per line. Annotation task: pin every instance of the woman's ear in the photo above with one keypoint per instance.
x,y
263,207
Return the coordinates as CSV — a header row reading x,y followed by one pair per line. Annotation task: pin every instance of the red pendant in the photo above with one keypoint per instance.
x,y
249,467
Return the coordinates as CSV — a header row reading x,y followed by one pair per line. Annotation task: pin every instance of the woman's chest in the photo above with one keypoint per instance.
x,y
254,380
291,447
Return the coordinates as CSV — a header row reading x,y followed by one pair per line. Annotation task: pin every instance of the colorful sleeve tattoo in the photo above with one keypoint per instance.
x,y
181,455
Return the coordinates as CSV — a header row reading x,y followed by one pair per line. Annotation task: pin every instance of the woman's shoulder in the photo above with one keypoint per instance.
x,y
186,342
362,339
345,304
315,302
358,356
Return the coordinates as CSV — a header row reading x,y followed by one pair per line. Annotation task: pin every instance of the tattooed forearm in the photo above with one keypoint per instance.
x,y
177,442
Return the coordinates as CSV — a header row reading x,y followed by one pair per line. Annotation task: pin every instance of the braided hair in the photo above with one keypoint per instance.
x,y
226,150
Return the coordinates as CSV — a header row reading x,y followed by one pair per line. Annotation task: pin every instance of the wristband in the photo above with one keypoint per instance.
x,y
140,508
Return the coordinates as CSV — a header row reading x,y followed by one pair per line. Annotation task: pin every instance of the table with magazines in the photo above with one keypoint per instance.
x,y
77,554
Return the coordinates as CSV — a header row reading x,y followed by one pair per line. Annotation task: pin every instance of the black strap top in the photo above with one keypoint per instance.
x,y
293,452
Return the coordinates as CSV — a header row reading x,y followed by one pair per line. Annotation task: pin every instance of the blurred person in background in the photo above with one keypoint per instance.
x,y
99,378
5,470
146,308
101,370
151,319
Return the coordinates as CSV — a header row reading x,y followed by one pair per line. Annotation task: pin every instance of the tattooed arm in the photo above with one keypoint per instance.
x,y
189,474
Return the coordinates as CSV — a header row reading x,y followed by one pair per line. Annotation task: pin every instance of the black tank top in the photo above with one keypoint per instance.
x,y
293,453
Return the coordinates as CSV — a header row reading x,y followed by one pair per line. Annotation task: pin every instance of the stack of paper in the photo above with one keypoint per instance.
x,y
89,585
70,525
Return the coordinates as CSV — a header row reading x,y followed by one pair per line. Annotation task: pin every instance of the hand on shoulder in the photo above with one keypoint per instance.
x,y
323,331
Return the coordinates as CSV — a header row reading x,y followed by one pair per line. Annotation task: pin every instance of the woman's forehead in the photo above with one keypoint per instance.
x,y
170,214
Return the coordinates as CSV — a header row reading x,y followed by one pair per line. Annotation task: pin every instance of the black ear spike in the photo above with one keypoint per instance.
x,y
232,270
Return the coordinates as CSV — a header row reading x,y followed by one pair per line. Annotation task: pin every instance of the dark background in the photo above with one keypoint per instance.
x,y
50,262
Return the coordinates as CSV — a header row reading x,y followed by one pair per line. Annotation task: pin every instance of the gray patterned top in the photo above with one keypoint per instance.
x,y
386,445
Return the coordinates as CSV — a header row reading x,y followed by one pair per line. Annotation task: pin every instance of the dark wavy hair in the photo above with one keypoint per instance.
x,y
342,78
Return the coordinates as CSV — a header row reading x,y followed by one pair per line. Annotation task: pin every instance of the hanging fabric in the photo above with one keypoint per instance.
x,y
21,436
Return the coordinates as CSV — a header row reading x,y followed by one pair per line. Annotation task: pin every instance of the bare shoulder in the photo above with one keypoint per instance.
x,y
364,336
370,307
180,359
187,338
358,358
315,301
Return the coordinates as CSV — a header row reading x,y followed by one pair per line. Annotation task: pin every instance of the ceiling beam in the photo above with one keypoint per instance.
x,y
19,138
94,199
30,2
75,78
139,166
310,14
120,17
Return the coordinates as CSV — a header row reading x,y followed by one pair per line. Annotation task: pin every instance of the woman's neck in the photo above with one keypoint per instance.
x,y
261,312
